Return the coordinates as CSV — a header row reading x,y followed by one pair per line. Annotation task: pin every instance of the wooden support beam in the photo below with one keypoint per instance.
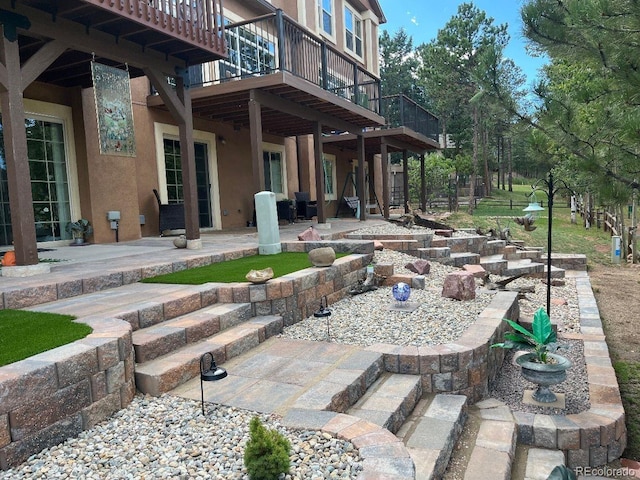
x,y
405,180
361,178
319,167
188,162
39,62
255,132
17,162
423,185
386,197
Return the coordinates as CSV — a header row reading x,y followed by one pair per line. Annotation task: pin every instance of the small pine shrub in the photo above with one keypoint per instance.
x,y
266,455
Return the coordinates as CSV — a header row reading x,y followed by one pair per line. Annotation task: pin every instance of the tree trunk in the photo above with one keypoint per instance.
x,y
498,159
510,164
474,167
487,178
503,169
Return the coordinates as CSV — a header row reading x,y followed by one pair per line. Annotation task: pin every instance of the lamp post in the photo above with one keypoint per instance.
x,y
550,188
210,373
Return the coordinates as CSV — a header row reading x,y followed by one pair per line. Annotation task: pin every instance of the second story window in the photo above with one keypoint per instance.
x,y
325,16
353,31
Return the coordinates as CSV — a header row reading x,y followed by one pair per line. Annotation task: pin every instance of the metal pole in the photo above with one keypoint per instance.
x,y
550,196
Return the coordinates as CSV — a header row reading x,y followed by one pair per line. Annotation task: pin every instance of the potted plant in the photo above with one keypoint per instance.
x,y
79,230
539,366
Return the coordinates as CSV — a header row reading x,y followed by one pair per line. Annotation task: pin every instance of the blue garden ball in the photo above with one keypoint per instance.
x,y
401,292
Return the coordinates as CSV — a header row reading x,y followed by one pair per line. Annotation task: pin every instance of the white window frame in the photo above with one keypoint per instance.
x,y
162,131
51,112
330,35
357,19
331,159
276,148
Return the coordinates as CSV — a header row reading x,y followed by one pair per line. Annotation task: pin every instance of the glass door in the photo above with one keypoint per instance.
x,y
49,182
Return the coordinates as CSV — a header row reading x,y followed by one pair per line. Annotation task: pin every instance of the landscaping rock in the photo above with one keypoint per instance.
x,y
322,257
377,245
419,266
459,286
260,276
309,235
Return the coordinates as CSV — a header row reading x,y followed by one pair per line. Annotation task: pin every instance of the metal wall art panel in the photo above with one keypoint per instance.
x,y
115,114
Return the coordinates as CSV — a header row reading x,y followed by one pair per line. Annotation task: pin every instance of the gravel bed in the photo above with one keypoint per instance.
x,y
510,384
394,229
366,319
168,438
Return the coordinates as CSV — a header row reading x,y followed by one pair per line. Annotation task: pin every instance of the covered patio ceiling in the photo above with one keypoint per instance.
x,y
290,106
397,139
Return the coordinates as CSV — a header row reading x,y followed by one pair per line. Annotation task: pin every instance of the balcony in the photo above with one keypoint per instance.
x,y
275,43
176,32
401,111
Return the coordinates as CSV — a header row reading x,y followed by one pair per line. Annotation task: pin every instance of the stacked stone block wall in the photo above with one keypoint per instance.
x,y
57,394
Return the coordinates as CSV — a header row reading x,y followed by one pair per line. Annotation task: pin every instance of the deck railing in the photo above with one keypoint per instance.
x,y
196,21
400,110
275,43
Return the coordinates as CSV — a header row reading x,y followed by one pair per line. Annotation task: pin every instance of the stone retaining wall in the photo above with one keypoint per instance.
x,y
465,367
598,435
54,395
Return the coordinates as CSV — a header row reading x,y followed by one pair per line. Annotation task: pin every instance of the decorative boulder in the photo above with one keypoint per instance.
x,y
260,276
180,242
459,286
9,259
322,257
377,245
309,235
419,266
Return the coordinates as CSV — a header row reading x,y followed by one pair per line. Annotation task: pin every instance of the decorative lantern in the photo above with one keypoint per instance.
x,y
211,373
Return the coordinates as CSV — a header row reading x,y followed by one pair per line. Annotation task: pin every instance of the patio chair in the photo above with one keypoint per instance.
x,y
305,207
171,216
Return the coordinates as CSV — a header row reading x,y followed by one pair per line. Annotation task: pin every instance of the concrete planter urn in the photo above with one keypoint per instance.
x,y
544,374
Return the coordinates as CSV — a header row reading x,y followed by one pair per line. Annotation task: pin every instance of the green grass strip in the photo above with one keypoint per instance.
x,y
628,374
236,270
23,333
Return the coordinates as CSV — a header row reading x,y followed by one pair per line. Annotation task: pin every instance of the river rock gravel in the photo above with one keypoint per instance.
x,y
168,438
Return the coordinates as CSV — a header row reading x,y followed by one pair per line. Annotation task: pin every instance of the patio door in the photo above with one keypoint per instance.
x,y
49,182
173,173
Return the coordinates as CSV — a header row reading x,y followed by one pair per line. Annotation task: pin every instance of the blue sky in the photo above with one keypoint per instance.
x,y
422,19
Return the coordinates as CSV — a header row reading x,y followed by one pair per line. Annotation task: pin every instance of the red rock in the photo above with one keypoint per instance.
x,y
459,286
309,235
377,245
419,266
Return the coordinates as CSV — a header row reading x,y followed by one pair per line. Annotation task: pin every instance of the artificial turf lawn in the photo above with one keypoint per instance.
x,y
23,334
236,270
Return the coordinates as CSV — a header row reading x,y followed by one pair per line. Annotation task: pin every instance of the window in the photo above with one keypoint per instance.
x,y
173,170
329,164
325,16
353,31
273,178
250,53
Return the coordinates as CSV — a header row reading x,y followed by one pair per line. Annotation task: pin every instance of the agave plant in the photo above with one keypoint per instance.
x,y
541,339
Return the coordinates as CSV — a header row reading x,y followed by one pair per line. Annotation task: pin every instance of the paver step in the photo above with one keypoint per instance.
x,y
157,340
389,401
165,373
468,243
555,272
494,264
525,266
431,432
460,259
493,247
434,253
140,304
488,449
541,462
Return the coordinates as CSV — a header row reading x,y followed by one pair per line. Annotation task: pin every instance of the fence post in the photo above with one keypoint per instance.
x,y
510,204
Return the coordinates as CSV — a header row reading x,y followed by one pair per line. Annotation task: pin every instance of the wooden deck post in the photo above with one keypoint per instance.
x,y
319,167
255,132
361,179
386,198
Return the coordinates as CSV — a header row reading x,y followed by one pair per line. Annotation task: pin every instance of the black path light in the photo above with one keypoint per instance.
x,y
323,312
211,373
550,187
